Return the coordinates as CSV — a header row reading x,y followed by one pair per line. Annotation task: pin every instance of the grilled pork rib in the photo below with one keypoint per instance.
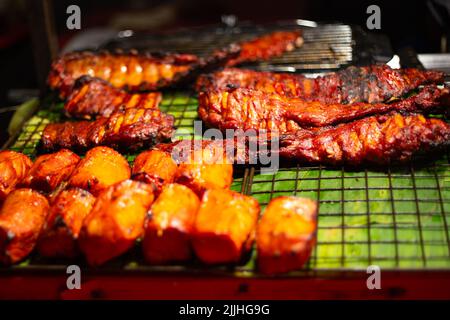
x,y
251,109
130,128
370,84
375,140
134,71
93,97
123,70
267,46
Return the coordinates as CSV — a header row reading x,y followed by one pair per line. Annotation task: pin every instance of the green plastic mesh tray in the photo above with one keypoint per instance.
x,y
396,218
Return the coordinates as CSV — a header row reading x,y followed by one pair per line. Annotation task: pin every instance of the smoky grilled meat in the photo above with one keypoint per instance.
x,y
99,169
130,129
21,219
170,224
225,226
14,166
155,167
50,170
267,46
375,140
132,70
116,221
93,97
67,212
286,234
372,84
249,109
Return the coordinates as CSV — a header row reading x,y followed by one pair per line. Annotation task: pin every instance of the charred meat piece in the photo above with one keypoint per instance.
x,y
50,170
99,169
129,129
205,168
267,46
169,227
131,70
21,219
225,226
14,166
93,97
286,234
59,235
134,71
376,140
372,84
249,109
116,221
154,167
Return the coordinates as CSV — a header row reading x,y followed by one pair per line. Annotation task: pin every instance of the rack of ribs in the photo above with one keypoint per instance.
x,y
131,129
251,109
371,84
94,97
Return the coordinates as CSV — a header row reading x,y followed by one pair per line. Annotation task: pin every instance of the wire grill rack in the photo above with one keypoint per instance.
x,y
394,217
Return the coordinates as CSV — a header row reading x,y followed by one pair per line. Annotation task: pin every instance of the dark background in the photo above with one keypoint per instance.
x,y
407,23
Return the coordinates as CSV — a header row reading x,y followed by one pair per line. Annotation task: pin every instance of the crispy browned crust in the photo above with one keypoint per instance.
x,y
129,129
267,46
50,170
375,140
21,219
286,234
14,166
93,97
372,84
116,221
252,109
66,215
133,70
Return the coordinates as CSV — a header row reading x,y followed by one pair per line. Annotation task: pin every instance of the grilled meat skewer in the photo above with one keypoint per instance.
x,y
93,97
50,170
154,167
225,226
286,234
249,109
21,219
116,221
99,169
14,166
67,212
371,84
170,224
130,129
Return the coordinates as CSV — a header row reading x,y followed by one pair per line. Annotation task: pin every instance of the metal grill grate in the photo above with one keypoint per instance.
x,y
395,217
325,47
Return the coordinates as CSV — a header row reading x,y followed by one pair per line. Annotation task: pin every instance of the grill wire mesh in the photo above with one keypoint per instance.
x,y
394,217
